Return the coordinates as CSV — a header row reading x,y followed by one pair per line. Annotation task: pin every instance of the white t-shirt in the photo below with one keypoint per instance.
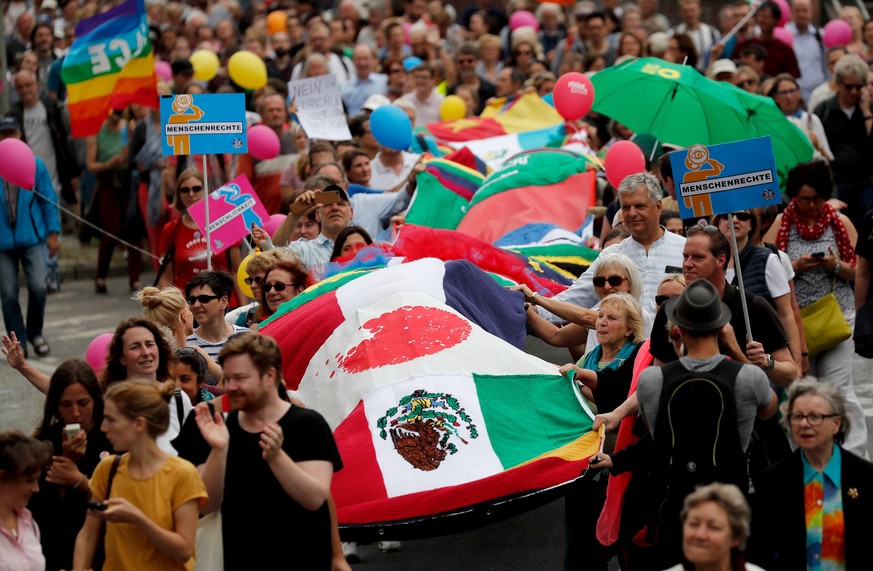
x,y
175,422
774,273
39,138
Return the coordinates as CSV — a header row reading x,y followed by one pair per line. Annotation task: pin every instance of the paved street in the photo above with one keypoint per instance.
x,y
531,541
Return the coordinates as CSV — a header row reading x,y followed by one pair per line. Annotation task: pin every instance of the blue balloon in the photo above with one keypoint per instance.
x,y
391,127
411,62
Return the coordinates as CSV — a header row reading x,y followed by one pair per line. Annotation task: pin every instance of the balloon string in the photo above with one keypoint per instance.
x,y
95,227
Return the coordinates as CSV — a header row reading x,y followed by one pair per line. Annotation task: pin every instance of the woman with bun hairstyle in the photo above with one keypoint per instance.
x,y
150,499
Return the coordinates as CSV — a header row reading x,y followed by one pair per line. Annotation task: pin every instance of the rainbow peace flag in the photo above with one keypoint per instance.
x,y
110,65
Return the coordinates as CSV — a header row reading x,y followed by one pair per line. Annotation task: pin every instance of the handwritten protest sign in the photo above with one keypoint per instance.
x,y
204,124
233,209
723,178
320,108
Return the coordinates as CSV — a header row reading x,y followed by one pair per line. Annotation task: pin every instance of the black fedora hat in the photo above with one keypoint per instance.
x,y
699,308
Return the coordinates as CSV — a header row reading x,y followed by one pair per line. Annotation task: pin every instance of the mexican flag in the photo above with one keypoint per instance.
x,y
437,420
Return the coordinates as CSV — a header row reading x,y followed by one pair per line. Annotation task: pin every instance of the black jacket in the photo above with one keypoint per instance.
x,y
65,156
778,539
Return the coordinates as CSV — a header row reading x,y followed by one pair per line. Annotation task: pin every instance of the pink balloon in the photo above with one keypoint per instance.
x,y
263,143
573,95
784,36
786,12
523,18
97,351
837,33
163,70
622,159
271,225
18,164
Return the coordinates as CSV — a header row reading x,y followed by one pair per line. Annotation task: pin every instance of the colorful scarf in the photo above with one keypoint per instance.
x,y
827,217
591,360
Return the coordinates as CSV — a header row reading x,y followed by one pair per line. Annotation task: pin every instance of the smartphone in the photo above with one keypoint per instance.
x,y
321,197
72,430
818,254
99,506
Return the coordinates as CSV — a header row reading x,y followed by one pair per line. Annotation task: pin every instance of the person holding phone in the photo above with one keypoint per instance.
x,y
72,414
153,499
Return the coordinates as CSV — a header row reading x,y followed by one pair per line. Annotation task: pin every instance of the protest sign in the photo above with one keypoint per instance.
x,y
320,108
233,209
723,178
203,124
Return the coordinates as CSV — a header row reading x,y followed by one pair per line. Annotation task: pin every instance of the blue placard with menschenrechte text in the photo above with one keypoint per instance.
x,y
203,124
716,179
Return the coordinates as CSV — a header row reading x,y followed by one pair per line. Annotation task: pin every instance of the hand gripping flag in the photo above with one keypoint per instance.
x,y
110,65
442,425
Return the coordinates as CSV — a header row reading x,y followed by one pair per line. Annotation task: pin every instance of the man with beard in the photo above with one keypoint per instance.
x,y
281,65
269,459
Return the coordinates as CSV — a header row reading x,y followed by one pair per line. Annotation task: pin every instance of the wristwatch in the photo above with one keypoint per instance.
x,y
771,362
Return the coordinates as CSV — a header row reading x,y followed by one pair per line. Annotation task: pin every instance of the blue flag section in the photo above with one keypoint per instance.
x,y
204,124
717,179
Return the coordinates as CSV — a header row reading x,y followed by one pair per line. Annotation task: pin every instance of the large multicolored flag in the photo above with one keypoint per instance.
x,y
549,185
524,113
441,425
110,65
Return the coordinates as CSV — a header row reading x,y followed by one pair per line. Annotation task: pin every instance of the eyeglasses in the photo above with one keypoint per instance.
x,y
190,189
813,419
249,281
614,281
787,92
203,299
853,86
660,299
741,216
278,286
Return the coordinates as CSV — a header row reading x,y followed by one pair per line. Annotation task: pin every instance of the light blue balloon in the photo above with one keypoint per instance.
x,y
391,127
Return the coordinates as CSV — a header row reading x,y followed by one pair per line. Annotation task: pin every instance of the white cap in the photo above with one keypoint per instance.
x,y
375,101
49,5
722,66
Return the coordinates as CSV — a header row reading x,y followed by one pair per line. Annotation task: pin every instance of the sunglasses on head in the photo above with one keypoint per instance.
x,y
249,281
190,189
614,281
278,286
203,299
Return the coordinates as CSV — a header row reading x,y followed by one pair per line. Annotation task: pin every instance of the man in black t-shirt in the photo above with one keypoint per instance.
x,y
705,257
271,462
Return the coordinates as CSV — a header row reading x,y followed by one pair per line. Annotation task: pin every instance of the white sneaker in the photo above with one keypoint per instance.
x,y
389,546
350,551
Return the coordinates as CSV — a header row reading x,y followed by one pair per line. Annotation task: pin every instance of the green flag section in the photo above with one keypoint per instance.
x,y
435,206
548,185
569,260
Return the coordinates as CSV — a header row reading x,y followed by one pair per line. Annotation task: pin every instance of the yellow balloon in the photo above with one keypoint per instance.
x,y
205,64
453,108
247,70
242,274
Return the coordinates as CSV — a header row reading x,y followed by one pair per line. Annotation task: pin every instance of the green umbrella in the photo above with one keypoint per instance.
x,y
682,107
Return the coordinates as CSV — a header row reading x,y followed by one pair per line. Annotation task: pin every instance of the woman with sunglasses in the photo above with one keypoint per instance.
x,y
281,283
747,79
788,97
814,507
763,275
615,274
183,247
256,269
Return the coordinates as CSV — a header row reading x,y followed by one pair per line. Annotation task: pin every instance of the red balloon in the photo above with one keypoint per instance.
x,y
622,159
573,95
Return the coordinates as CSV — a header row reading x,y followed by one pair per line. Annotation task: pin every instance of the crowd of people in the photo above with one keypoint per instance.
x,y
687,386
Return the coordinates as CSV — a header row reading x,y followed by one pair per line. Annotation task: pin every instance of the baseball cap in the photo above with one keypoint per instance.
x,y
722,66
375,101
343,194
9,124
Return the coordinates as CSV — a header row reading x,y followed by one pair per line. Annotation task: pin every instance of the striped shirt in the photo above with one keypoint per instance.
x,y
652,265
212,348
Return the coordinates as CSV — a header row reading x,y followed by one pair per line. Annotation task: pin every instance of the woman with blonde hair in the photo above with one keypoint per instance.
x,y
490,63
148,499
